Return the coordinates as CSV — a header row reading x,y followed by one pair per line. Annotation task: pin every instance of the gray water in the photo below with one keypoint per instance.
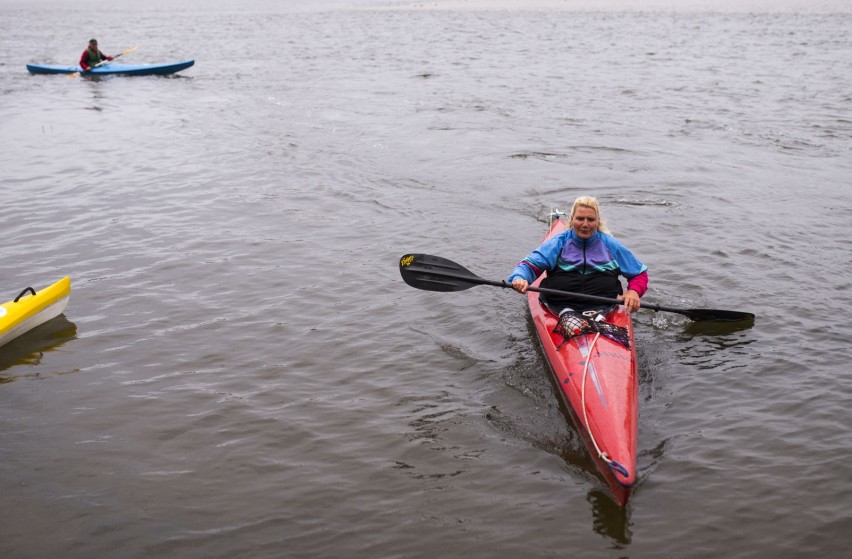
x,y
241,371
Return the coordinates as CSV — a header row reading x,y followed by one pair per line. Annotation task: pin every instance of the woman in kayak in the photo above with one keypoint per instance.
x,y
584,259
92,56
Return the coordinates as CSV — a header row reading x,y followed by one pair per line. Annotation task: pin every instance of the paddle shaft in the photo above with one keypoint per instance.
x,y
695,314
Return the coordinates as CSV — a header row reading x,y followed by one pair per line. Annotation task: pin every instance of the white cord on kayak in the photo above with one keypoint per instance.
x,y
602,455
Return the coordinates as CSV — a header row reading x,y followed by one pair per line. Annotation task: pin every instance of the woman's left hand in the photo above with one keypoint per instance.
x,y
630,300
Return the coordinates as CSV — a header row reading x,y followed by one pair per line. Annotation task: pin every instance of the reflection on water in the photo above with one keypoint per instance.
x,y
715,352
29,349
610,520
701,328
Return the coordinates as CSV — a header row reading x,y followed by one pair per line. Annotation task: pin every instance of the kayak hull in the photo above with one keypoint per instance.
x,y
29,311
601,396
113,69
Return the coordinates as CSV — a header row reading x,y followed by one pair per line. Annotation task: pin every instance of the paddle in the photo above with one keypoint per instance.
x,y
434,273
102,62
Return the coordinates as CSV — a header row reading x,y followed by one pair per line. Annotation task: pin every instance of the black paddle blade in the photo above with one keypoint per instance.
x,y
714,315
434,273
709,315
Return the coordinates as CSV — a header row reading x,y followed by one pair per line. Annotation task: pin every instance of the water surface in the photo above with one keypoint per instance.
x,y
242,373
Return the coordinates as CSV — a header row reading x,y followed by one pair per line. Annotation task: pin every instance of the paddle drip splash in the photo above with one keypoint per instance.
x,y
572,324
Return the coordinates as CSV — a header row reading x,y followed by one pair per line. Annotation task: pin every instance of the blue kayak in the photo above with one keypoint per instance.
x,y
113,69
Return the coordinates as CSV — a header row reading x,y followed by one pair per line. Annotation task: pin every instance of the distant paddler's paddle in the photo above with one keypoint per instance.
x,y
102,62
434,273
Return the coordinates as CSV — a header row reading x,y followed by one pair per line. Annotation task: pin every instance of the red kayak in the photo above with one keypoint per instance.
x,y
597,380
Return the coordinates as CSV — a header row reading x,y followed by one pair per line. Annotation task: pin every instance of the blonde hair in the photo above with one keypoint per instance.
x,y
592,203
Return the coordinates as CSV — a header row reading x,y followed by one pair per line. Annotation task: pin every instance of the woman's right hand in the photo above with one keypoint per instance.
x,y
520,285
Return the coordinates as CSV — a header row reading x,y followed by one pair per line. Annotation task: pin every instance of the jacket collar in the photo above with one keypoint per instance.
x,y
583,242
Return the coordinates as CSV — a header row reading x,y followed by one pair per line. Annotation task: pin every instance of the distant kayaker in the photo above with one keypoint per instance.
x,y
584,259
92,56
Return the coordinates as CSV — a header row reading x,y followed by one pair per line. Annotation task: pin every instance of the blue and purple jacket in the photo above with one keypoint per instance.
x,y
590,266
